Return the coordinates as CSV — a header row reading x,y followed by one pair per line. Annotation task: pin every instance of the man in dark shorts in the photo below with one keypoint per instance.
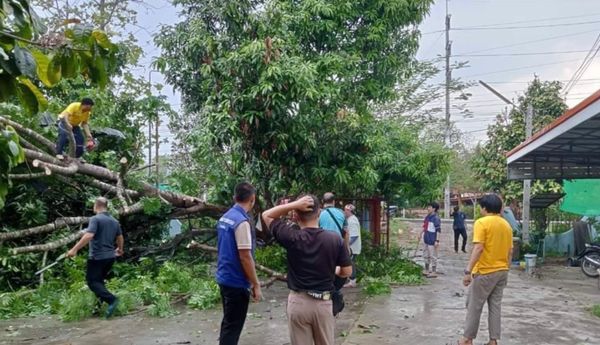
x,y
102,233
314,257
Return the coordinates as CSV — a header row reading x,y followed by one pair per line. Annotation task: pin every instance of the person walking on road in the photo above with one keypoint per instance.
x,y
102,233
236,272
314,257
355,240
70,122
432,226
333,219
460,229
486,274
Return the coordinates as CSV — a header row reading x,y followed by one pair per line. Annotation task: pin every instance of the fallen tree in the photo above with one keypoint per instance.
x,y
41,163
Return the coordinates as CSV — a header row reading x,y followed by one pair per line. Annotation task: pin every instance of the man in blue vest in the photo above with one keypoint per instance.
x,y
236,273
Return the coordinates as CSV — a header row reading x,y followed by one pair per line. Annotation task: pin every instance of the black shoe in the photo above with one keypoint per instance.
x,y
464,251
112,308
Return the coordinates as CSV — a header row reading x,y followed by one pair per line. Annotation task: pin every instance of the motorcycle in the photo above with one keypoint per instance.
x,y
590,260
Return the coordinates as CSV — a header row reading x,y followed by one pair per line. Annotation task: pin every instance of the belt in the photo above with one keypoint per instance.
x,y
320,295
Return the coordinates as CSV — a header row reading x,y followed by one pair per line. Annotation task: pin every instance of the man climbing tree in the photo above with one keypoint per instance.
x,y
70,122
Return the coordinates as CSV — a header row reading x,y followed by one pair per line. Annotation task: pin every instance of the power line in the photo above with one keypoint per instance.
x,y
520,68
587,61
532,41
523,54
593,81
538,20
466,28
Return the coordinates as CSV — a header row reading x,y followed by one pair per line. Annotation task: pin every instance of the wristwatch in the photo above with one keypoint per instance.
x,y
467,272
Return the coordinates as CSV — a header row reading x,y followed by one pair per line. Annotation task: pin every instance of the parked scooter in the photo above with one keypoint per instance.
x,y
590,260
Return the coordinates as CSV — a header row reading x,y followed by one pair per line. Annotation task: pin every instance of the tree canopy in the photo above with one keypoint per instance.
x,y
281,93
505,134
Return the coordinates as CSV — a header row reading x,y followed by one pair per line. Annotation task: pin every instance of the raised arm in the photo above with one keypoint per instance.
x,y
302,204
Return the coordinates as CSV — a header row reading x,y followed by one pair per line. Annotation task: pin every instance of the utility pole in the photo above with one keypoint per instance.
x,y
527,183
156,136
447,132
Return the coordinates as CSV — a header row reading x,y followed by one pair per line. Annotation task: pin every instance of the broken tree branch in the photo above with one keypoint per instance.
x,y
125,211
59,223
207,248
50,168
29,176
50,245
121,181
50,146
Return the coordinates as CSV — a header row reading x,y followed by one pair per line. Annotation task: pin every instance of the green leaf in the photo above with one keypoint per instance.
x,y
25,61
42,62
102,39
14,148
31,97
54,72
69,64
7,87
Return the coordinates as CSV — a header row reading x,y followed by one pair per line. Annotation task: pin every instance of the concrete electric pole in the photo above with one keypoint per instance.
x,y
447,132
527,183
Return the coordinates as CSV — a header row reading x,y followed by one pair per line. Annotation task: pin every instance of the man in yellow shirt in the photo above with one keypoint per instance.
x,y
72,120
487,271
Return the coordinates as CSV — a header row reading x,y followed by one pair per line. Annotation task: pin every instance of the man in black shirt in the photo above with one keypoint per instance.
x,y
102,233
314,257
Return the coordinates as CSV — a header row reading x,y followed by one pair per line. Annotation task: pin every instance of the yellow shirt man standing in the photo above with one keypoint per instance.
x,y
487,271
75,117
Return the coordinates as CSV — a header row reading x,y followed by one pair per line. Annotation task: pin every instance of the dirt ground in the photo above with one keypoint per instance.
x,y
266,324
545,309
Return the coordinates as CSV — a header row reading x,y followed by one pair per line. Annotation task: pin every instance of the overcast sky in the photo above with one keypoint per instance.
x,y
566,29
557,33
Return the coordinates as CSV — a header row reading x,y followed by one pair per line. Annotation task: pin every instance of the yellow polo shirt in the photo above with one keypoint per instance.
x,y
495,234
76,115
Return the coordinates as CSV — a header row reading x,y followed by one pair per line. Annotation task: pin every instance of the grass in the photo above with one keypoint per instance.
x,y
596,310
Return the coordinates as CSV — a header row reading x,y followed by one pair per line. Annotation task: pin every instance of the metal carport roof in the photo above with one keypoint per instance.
x,y
567,148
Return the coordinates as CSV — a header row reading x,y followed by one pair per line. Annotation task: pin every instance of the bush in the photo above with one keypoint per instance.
x,y
70,298
273,256
374,286
205,295
378,270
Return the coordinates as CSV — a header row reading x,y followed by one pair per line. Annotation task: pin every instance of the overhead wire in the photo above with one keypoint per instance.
x,y
587,61
539,20
521,68
522,54
467,28
531,41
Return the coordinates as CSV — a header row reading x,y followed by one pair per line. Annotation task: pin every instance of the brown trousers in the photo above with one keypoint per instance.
x,y
485,288
310,320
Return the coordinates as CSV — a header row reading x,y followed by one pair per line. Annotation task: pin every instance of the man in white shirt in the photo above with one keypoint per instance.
x,y
355,242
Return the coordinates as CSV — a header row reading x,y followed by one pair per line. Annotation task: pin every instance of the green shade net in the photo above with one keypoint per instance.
x,y
583,197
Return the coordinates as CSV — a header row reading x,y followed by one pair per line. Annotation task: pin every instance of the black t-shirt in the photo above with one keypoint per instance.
x,y
312,255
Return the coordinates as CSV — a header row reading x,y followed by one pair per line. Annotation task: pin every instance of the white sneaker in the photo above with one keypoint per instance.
x,y
60,157
350,284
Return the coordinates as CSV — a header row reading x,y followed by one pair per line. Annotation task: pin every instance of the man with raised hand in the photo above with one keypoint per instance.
x,y
486,274
314,257
236,272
